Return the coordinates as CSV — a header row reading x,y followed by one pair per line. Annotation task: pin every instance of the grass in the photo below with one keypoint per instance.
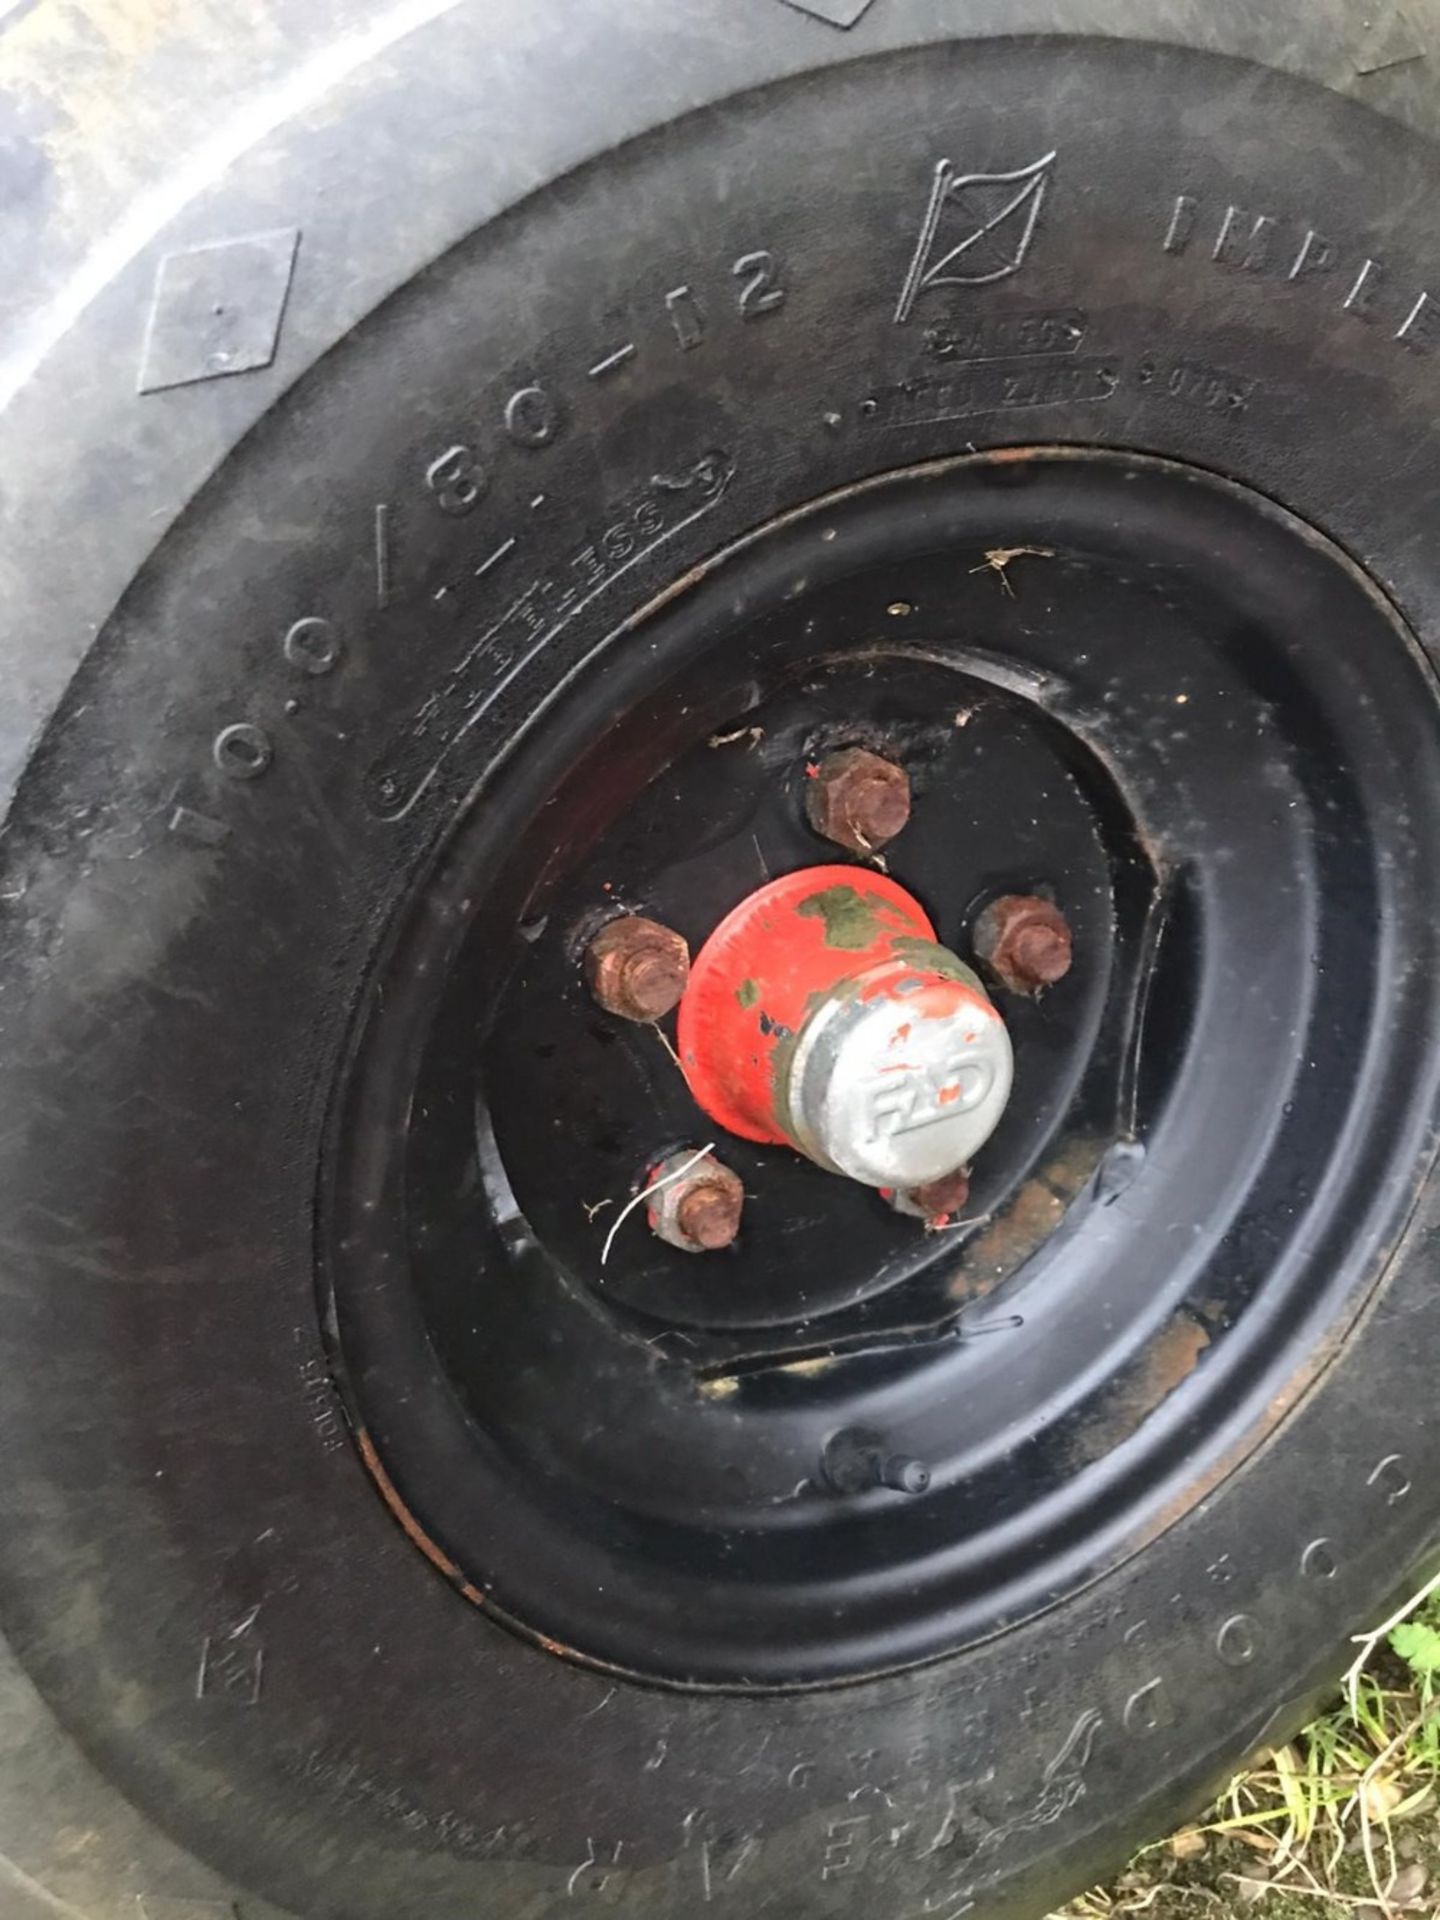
x,y
1344,1822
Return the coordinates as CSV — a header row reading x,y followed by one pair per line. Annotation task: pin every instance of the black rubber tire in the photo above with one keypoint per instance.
x,y
230,1685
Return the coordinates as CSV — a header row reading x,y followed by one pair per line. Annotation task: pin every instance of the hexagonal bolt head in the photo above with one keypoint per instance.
x,y
636,968
857,799
700,1212
938,1201
1024,942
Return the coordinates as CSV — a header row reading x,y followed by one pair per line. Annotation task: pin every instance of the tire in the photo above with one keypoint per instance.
x,y
498,333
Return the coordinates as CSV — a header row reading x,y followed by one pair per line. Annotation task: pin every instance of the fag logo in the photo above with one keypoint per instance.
x,y
905,1102
977,228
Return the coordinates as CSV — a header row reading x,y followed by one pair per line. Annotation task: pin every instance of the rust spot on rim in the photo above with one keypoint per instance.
x,y
414,1532
1029,1219
1162,1366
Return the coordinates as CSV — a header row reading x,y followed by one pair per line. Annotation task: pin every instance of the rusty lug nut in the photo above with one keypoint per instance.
x,y
938,1201
699,1212
857,799
636,968
1024,941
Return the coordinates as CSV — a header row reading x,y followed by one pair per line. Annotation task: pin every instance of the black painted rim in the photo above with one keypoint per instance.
x,y
1219,1126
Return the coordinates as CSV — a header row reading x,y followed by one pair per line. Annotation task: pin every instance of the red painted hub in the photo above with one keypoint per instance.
x,y
785,953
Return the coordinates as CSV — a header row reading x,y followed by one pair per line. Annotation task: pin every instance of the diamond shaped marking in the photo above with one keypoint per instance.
x,y
1388,43
839,13
217,309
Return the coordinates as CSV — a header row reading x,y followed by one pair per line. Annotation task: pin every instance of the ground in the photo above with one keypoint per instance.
x,y
1341,1824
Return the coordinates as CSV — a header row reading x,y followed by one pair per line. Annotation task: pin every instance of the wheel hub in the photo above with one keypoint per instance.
x,y
823,1013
